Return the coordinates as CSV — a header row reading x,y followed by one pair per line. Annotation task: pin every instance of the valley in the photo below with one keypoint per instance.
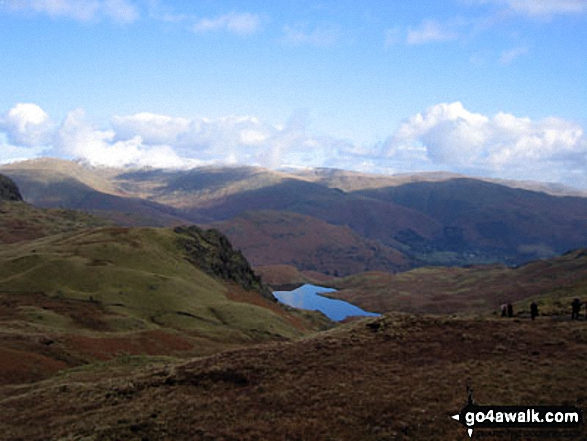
x,y
366,222
122,319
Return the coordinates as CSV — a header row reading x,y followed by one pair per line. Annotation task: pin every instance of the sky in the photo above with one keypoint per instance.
x,y
493,88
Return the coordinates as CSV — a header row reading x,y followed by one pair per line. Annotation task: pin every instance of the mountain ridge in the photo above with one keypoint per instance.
x,y
430,218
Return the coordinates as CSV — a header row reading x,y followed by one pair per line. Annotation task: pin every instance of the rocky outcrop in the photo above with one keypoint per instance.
x,y
211,251
9,190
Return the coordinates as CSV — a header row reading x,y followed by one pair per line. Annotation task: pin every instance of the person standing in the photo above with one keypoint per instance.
x,y
533,310
575,309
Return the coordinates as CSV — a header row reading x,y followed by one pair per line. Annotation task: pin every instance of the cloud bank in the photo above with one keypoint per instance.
x,y
451,137
445,136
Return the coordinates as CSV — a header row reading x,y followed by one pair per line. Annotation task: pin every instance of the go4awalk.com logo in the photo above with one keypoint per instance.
x,y
551,418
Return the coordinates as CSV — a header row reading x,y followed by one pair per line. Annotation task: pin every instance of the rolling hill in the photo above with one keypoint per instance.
x,y
552,283
53,183
74,298
428,219
20,221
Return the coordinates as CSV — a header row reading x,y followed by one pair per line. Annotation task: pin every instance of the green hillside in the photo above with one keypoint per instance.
x,y
142,275
20,221
79,297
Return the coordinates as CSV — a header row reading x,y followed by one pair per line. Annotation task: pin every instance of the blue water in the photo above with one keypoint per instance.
x,y
308,297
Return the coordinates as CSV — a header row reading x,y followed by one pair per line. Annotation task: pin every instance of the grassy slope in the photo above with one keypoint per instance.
x,y
99,293
20,221
552,283
399,377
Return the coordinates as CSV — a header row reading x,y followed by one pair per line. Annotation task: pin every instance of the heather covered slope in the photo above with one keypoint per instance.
x,y
399,377
277,237
552,283
482,217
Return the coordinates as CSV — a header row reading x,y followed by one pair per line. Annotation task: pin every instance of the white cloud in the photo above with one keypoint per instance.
x,y
430,31
451,137
446,136
543,9
164,141
243,23
547,8
154,129
77,138
121,11
252,137
508,57
320,36
26,125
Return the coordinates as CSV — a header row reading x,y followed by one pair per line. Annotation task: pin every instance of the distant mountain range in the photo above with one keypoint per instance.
x,y
328,221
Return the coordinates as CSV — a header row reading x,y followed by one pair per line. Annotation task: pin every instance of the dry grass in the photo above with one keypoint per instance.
x,y
552,283
395,378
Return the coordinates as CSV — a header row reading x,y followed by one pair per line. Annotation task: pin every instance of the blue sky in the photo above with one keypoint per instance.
x,y
492,88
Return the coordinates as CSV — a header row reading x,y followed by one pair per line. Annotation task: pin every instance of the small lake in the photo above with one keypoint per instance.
x,y
308,297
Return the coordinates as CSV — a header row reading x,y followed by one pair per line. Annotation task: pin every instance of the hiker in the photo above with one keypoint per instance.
x,y
576,309
510,310
504,309
533,310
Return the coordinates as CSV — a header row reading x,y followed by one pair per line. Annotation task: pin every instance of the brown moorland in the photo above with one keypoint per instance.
x,y
552,283
398,377
276,237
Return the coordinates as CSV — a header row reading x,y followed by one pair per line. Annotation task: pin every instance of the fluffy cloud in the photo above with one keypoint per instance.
x,y
450,136
445,137
79,139
26,125
147,139
154,129
239,23
121,11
